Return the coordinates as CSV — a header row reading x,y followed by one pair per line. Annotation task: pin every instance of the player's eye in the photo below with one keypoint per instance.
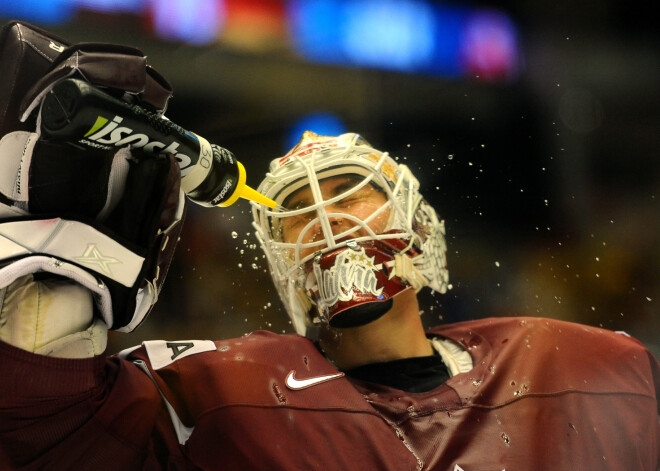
x,y
347,202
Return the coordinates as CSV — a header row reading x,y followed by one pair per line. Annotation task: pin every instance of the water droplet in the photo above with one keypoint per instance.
x,y
234,234
505,438
279,394
523,389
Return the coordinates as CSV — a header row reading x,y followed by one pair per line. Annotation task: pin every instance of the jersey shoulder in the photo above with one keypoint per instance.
x,y
546,330
260,369
548,356
252,347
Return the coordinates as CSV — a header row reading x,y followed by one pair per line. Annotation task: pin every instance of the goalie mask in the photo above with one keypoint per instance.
x,y
350,231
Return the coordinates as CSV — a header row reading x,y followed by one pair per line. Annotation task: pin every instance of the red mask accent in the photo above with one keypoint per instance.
x,y
357,275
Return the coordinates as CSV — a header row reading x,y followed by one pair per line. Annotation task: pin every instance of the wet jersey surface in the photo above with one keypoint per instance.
x,y
542,395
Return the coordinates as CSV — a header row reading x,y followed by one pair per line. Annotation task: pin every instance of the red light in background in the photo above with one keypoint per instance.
x,y
489,47
255,24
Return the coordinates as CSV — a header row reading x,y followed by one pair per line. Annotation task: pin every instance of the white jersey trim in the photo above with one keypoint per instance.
x,y
162,353
183,433
457,359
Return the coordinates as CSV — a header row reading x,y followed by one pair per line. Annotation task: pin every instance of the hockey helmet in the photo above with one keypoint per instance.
x,y
345,274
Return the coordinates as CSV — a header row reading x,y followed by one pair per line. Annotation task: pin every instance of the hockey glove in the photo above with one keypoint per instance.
x,y
104,219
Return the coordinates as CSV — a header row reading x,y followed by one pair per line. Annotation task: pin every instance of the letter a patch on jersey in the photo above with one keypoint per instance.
x,y
179,347
162,353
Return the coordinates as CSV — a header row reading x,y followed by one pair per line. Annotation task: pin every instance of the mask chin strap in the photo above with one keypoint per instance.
x,y
404,267
362,314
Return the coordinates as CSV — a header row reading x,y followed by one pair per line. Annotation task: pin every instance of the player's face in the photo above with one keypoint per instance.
x,y
362,203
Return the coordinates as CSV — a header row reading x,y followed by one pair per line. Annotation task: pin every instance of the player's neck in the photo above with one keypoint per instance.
x,y
398,334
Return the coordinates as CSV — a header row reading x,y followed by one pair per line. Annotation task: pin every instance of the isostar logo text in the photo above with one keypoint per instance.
x,y
353,270
220,198
106,134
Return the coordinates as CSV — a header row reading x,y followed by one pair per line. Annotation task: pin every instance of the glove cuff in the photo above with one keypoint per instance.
x,y
43,264
73,242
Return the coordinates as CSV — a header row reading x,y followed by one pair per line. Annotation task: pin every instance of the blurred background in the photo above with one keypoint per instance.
x,y
533,128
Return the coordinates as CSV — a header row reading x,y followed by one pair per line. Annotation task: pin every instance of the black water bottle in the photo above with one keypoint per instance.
x,y
76,112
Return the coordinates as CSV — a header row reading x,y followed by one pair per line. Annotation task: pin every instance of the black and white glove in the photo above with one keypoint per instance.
x,y
104,219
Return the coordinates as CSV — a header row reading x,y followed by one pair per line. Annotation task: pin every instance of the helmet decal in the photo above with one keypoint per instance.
x,y
353,271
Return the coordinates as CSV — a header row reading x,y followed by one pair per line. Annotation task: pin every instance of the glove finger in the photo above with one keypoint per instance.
x,y
26,53
114,66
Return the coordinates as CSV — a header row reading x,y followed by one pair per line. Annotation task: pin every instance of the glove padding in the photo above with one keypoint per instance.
x,y
52,317
103,218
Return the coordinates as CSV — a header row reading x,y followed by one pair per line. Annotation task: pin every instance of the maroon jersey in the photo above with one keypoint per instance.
x,y
542,395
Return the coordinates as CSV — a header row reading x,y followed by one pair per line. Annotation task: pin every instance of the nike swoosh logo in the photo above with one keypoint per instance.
x,y
295,384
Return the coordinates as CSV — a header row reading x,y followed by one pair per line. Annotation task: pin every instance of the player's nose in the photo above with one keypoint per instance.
x,y
338,224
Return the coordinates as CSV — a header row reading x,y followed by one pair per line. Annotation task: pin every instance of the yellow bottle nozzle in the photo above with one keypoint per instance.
x,y
244,191
253,195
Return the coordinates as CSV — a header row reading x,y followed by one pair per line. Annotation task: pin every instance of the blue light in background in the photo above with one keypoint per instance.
x,y
449,21
389,34
316,29
322,123
38,11
197,22
415,36
110,6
